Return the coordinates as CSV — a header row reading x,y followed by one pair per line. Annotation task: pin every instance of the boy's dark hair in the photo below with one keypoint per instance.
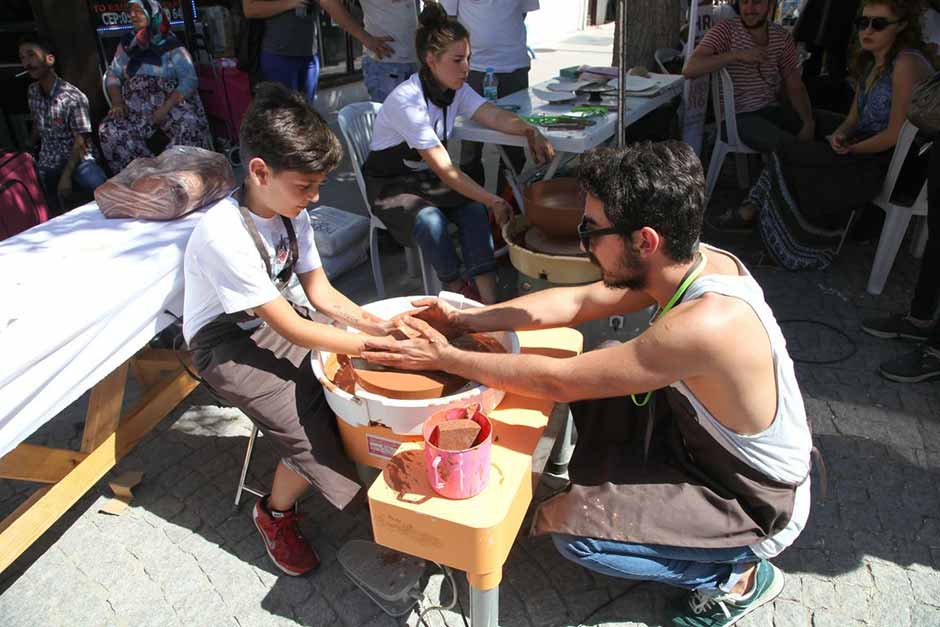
x,y
437,31
282,128
40,42
659,185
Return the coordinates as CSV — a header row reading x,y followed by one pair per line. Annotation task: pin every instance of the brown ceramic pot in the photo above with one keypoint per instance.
x,y
555,206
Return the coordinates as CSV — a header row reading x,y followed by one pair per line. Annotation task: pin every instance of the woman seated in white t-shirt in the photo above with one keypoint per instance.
x,y
413,186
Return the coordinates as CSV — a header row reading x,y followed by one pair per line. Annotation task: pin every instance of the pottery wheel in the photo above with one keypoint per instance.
x,y
403,384
537,240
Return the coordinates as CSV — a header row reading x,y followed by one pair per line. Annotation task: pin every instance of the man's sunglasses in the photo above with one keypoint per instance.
x,y
876,23
586,235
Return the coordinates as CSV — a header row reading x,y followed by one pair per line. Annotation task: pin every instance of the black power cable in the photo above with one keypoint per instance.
x,y
853,347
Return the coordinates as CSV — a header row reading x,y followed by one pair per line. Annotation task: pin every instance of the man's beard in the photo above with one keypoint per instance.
x,y
761,24
635,280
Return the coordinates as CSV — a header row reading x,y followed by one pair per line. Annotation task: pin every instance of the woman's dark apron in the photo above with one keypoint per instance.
x,y
397,192
272,381
664,481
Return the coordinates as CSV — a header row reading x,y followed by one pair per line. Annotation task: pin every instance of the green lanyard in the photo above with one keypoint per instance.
x,y
687,281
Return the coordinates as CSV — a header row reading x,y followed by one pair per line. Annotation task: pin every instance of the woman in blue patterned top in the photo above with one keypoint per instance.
x,y
808,190
152,86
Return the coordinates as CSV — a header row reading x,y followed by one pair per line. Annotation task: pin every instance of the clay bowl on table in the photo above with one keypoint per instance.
x,y
555,206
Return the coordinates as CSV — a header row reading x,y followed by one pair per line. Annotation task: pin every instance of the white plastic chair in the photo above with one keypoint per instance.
x,y
723,104
897,217
104,88
355,122
664,56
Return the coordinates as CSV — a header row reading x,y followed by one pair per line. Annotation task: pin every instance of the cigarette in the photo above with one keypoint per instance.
x,y
23,73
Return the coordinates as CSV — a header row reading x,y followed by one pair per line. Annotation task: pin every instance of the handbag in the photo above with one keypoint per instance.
x,y
924,110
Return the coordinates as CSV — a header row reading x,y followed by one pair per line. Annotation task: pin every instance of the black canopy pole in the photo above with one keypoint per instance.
x,y
622,74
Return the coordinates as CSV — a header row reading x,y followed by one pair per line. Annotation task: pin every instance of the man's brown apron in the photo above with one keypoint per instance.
x,y
272,381
683,489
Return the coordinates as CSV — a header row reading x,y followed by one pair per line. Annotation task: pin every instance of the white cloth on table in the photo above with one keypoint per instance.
x,y
81,295
224,270
407,117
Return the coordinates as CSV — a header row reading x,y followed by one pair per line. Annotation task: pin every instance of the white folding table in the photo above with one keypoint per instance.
x,y
81,297
568,142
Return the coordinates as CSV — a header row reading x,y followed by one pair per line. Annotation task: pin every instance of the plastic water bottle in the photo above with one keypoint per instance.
x,y
490,85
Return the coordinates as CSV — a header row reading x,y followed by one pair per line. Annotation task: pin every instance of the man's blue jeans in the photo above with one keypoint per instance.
x,y
711,571
473,231
87,176
381,77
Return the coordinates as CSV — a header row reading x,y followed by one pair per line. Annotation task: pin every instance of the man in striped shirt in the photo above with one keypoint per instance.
x,y
760,56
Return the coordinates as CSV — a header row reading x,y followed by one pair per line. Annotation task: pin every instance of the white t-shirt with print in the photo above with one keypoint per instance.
x,y
405,116
392,18
497,31
223,270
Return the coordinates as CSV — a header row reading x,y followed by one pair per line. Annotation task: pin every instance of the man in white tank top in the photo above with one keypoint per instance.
x,y
719,484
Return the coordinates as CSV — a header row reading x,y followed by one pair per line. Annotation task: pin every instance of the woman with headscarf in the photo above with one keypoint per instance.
x,y
152,86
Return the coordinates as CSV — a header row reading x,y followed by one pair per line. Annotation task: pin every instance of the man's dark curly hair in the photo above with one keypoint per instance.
x,y
281,128
659,185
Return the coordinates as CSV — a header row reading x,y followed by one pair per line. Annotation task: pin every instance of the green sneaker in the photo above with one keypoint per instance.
x,y
700,610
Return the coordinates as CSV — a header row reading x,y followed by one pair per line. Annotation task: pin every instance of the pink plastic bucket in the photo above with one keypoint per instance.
x,y
458,474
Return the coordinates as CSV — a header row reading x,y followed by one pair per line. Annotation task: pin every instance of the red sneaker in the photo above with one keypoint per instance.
x,y
286,546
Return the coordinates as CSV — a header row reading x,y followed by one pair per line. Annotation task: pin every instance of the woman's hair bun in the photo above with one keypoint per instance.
x,y
432,15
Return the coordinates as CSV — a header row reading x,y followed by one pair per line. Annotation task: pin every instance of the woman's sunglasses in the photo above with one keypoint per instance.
x,y
586,235
876,23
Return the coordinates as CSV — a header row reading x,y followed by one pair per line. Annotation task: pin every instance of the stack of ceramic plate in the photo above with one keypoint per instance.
x,y
553,97
637,86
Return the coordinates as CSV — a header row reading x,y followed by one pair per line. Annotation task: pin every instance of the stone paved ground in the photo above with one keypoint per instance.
x,y
179,556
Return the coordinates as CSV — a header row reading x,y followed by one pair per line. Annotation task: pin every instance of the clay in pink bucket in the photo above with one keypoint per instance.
x,y
463,473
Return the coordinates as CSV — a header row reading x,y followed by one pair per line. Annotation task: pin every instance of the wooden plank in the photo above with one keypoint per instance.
x,y
161,359
146,377
104,408
21,528
24,507
28,462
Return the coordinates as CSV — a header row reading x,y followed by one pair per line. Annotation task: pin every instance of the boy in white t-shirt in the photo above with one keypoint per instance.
x,y
249,344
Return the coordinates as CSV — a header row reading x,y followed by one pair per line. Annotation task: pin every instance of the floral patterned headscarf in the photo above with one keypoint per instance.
x,y
158,23
148,45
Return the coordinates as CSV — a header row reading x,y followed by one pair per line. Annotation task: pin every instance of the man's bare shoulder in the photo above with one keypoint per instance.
x,y
711,319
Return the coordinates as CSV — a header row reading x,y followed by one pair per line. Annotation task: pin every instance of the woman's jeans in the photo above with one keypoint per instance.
x,y
473,231
711,571
298,73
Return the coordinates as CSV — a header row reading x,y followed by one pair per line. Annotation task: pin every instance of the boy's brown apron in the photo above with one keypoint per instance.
x,y
683,489
272,381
